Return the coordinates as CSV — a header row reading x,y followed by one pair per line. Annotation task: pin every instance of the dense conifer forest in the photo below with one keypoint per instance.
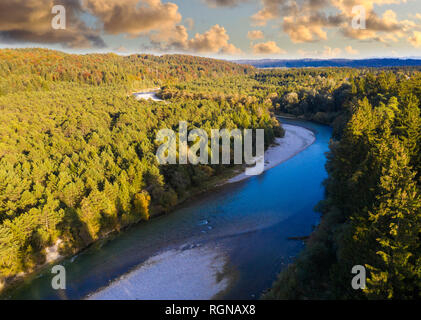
x,y
372,212
77,151
77,157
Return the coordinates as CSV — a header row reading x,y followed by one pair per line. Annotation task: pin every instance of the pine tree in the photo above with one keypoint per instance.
x,y
141,205
395,223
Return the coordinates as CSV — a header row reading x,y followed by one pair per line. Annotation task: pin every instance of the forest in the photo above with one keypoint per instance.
x,y
77,158
372,212
77,150
371,215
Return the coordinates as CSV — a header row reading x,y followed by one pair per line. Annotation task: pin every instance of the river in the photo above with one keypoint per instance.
x,y
229,244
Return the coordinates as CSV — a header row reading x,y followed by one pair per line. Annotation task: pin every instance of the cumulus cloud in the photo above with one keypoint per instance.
x,y
351,50
255,35
271,10
174,38
211,41
307,21
346,5
385,28
133,17
30,21
269,47
215,40
329,52
274,9
161,23
231,50
415,40
309,28
301,20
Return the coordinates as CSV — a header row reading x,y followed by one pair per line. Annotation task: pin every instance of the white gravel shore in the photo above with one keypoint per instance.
x,y
172,275
296,139
146,96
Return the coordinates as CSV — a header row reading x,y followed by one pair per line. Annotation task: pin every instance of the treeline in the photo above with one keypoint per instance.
x,y
317,63
324,95
35,69
372,212
77,154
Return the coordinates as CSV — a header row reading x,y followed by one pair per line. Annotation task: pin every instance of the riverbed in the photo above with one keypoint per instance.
x,y
230,243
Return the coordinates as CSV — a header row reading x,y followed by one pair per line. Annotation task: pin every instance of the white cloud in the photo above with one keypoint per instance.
x,y
415,40
215,40
269,47
329,52
351,50
255,35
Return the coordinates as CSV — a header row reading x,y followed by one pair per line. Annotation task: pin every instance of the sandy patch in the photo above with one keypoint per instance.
x,y
146,96
296,139
172,275
52,253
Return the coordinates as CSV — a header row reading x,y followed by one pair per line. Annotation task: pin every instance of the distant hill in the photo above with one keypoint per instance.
x,y
300,63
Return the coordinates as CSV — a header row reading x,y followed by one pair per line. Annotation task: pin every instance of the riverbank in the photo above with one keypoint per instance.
x,y
172,275
296,139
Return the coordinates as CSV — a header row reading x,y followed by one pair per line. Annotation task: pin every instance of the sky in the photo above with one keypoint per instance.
x,y
228,29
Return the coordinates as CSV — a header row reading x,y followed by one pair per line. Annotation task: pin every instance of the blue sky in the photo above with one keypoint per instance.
x,y
218,28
